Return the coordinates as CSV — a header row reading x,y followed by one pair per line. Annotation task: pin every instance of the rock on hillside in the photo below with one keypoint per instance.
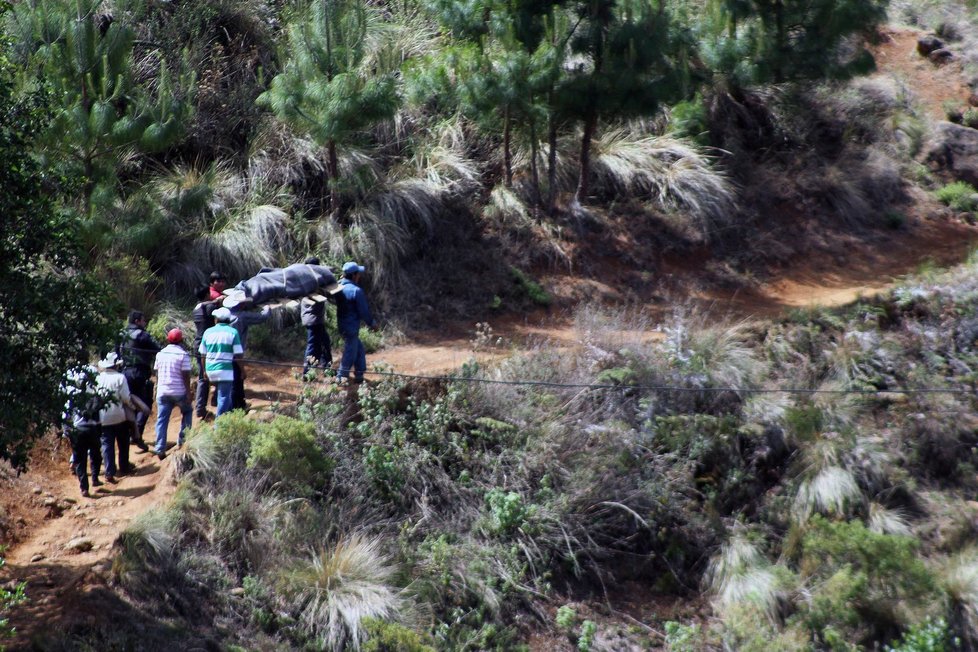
x,y
955,148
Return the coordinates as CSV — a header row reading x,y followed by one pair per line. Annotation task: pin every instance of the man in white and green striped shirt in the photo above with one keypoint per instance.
x,y
219,347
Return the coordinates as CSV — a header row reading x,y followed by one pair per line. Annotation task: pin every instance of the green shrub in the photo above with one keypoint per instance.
x,y
566,617
385,636
589,630
959,195
288,451
506,509
682,638
928,636
970,118
530,288
227,440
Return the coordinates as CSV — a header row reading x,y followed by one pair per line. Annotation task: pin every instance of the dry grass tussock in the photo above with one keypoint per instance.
x,y
827,486
333,591
673,172
741,574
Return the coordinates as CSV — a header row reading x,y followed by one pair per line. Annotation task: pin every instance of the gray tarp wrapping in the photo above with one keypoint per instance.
x,y
290,282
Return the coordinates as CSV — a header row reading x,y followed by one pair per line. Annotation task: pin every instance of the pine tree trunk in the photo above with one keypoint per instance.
x,y
590,126
332,174
552,165
534,172
507,154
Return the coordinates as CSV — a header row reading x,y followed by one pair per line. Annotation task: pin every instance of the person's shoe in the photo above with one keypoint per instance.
x,y
141,445
179,444
111,479
86,494
161,455
127,469
96,482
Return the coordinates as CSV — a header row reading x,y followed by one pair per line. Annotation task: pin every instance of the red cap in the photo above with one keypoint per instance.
x,y
174,336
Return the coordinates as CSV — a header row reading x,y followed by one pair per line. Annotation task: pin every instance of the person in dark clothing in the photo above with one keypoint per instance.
x,y
351,310
140,353
82,426
203,319
319,350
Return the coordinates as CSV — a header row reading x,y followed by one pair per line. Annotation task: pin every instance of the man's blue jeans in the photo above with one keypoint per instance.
x,y
164,406
224,390
354,356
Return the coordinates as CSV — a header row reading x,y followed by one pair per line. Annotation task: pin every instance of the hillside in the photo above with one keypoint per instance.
x,y
612,462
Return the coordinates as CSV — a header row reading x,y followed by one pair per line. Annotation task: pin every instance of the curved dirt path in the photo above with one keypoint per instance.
x,y
60,581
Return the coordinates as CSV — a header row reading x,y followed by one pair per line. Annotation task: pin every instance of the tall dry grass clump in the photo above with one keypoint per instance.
x,y
334,591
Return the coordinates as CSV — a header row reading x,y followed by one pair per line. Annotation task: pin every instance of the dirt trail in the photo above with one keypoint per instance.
x,y
58,579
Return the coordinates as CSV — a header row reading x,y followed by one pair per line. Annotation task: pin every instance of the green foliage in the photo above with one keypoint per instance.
x,y
585,640
55,313
507,511
287,450
530,288
9,597
324,88
88,62
959,195
682,638
386,636
755,42
863,576
928,636
566,617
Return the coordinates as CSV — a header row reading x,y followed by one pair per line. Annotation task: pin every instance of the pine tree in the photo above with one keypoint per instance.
x,y
764,41
85,58
626,64
52,313
324,89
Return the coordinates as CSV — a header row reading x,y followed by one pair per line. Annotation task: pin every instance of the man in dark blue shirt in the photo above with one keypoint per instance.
x,y
351,310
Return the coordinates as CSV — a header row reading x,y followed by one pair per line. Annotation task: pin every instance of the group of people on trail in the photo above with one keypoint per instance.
x,y
108,408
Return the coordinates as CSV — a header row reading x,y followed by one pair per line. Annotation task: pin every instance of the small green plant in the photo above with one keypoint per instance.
x,y
9,597
589,630
384,471
958,195
970,118
566,617
507,510
530,288
682,638
384,636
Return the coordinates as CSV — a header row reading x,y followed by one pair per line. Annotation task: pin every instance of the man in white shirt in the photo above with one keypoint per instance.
x,y
115,427
173,389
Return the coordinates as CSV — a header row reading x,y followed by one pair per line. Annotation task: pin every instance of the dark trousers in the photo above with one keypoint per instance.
x,y
85,449
237,389
140,385
203,389
116,437
318,349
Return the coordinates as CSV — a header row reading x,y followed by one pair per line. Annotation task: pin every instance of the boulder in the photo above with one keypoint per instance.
x,y
955,148
927,44
942,55
79,544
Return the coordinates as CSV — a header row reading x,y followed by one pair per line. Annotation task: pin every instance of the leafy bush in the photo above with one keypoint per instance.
x,y
928,636
287,450
959,195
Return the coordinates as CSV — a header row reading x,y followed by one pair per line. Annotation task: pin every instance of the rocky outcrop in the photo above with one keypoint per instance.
x,y
955,148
